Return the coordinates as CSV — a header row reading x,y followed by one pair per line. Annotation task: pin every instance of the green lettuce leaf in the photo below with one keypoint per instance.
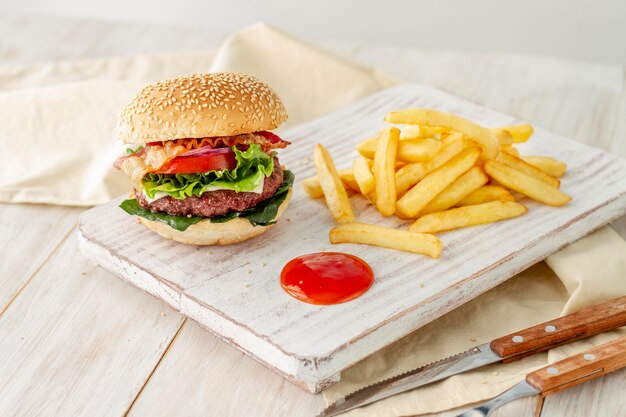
x,y
130,151
177,222
253,165
263,214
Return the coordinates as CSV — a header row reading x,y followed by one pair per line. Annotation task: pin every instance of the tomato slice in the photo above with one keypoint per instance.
x,y
193,164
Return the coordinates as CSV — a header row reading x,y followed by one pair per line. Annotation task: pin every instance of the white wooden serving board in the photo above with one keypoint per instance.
x,y
234,291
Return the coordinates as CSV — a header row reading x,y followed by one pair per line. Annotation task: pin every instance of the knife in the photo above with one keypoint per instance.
x,y
535,339
571,371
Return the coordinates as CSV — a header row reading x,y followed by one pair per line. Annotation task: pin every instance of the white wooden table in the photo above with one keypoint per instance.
x,y
75,340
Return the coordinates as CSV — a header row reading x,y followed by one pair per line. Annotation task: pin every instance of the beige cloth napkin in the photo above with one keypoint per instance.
x,y
58,145
57,124
71,125
310,81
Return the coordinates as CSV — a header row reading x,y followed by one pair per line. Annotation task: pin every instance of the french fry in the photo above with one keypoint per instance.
x,y
399,164
548,165
312,187
455,192
411,174
347,177
467,216
367,148
363,175
504,136
410,132
418,150
511,150
524,184
434,183
372,197
485,194
432,131
384,170
332,185
520,133
521,166
370,234
409,150
416,132
429,117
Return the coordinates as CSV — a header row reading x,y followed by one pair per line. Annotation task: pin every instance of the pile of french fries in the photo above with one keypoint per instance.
x,y
442,172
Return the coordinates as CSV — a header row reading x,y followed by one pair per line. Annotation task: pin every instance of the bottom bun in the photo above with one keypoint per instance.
x,y
207,233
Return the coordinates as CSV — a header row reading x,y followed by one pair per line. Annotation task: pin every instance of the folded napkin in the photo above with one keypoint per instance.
x,y
69,127
58,143
57,124
310,81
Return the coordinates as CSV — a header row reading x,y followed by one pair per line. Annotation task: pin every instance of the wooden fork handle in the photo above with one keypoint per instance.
x,y
579,368
566,329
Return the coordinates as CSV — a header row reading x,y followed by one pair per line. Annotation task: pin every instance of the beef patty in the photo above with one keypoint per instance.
x,y
214,203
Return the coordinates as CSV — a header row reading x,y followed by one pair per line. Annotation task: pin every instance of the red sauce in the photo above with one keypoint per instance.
x,y
326,277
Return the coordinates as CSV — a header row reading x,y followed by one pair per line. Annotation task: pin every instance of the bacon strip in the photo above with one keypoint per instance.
x,y
230,141
118,162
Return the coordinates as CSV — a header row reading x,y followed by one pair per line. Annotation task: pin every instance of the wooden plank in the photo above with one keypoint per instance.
x,y
79,342
202,375
328,339
618,146
602,397
29,234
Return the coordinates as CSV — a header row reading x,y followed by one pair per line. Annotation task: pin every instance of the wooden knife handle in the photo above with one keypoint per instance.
x,y
566,329
579,368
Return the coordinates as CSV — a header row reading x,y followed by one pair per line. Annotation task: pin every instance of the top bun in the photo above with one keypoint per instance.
x,y
199,106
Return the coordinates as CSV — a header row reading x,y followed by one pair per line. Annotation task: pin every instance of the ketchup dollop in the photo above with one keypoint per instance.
x,y
326,277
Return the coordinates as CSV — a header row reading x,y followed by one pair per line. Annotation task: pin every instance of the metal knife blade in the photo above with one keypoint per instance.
x,y
473,358
522,389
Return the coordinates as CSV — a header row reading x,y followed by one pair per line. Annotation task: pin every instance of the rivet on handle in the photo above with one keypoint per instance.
x,y
550,329
553,371
589,356
518,339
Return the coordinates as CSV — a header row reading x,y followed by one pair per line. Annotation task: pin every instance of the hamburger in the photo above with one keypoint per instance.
x,y
203,163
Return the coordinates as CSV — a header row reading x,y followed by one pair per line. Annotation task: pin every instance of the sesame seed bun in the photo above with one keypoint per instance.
x,y
199,106
207,233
